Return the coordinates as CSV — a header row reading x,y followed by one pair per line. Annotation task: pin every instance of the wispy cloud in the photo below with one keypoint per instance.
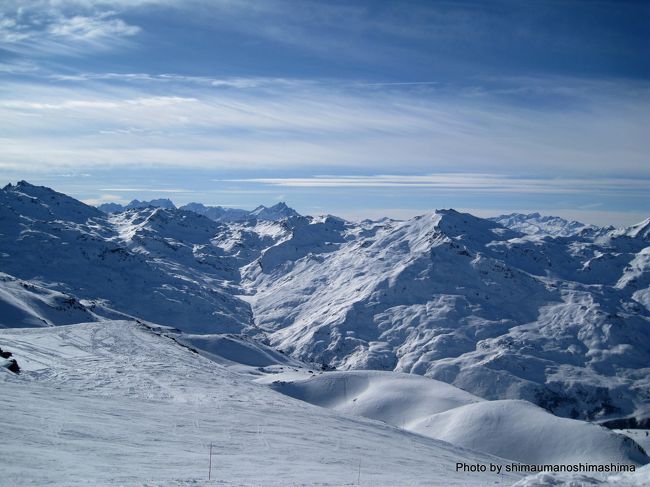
x,y
467,182
171,78
306,124
147,190
46,28
152,101
90,29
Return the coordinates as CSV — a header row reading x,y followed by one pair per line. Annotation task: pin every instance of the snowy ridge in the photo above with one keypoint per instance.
x,y
639,231
25,304
136,204
276,212
217,213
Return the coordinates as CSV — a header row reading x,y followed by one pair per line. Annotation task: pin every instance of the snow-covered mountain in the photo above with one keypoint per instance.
x,y
536,224
276,212
561,321
153,263
156,203
217,213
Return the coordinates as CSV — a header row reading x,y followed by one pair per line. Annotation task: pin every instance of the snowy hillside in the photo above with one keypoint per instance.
x,y
114,403
24,304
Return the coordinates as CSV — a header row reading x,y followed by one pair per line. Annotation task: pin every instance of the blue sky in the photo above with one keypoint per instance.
x,y
357,108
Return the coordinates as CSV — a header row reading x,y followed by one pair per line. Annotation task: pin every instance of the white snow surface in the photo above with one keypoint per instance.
x,y
115,403
512,429
394,398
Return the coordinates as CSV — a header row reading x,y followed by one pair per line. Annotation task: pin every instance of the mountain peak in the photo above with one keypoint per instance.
x,y
43,203
467,226
639,230
158,203
278,211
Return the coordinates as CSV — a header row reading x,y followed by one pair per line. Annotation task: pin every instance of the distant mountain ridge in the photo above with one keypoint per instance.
x,y
536,224
116,207
559,320
216,213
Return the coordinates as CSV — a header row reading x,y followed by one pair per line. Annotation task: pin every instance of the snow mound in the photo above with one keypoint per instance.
x,y
394,398
512,429
521,431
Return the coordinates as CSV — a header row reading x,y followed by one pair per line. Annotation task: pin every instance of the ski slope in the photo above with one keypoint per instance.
x,y
115,403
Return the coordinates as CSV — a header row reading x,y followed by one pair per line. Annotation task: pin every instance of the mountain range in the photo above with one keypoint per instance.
x,y
510,312
557,318
496,335
217,213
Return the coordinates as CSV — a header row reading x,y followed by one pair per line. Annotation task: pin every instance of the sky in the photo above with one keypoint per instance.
x,y
356,108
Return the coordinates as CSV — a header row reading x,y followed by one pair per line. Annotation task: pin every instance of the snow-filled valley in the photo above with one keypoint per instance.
x,y
315,350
